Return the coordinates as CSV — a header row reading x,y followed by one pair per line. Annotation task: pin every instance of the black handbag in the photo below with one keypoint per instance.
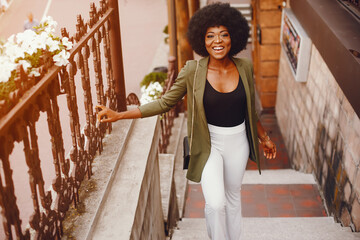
x,y
186,153
186,145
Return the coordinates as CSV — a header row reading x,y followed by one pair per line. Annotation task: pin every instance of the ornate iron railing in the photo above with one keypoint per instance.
x,y
167,119
41,94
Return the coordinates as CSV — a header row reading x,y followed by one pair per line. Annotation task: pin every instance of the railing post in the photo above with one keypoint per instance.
x,y
184,49
172,28
194,5
116,56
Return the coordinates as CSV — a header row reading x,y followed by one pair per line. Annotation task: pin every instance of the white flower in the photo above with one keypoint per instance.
x,y
13,52
34,72
25,64
65,41
145,99
50,24
61,59
52,44
151,92
40,41
22,46
11,39
25,37
6,68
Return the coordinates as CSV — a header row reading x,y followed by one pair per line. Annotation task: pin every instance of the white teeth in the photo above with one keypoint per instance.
x,y
218,48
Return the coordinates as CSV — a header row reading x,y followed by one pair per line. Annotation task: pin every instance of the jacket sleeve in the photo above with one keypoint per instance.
x,y
170,98
250,73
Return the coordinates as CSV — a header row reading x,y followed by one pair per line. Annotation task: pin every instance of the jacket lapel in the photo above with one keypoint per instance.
x,y
200,88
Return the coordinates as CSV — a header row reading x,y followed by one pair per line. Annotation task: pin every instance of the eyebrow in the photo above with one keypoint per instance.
x,y
220,31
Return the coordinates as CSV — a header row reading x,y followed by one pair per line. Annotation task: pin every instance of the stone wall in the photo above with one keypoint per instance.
x,y
130,202
322,135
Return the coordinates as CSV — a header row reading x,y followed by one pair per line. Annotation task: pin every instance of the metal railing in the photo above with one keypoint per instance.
x,y
36,95
166,119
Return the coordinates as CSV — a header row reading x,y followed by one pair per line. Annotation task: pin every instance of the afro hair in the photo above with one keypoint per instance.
x,y
214,15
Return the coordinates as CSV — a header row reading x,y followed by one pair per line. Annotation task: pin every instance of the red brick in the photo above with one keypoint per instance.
x,y
269,52
277,190
310,212
270,18
255,210
276,212
280,202
270,35
269,68
303,190
268,84
270,4
307,203
268,100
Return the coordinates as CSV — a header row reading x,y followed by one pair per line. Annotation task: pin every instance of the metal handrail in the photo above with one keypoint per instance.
x,y
40,94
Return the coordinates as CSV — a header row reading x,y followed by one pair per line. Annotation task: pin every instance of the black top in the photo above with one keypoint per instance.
x,y
225,109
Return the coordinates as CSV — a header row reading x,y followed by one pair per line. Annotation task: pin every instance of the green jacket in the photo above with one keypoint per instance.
x,y
200,149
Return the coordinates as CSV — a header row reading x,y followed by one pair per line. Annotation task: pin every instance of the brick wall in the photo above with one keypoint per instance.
x,y
266,22
322,135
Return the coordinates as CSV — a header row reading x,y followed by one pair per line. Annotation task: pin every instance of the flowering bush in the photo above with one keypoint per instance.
x,y
152,86
151,92
26,48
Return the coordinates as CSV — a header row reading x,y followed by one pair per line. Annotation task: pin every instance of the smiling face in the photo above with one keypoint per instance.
x,y
218,42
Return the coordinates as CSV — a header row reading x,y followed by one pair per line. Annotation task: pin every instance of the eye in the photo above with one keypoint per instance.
x,y
209,36
225,35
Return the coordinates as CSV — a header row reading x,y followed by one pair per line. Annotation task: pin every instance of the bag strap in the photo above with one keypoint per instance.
x,y
193,104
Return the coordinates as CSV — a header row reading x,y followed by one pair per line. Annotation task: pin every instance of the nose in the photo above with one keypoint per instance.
x,y
218,38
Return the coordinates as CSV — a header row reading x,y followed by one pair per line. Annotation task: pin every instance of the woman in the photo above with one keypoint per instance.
x,y
225,129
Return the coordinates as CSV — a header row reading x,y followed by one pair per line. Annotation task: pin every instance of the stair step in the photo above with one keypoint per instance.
x,y
175,134
241,5
279,176
167,189
314,228
180,174
246,11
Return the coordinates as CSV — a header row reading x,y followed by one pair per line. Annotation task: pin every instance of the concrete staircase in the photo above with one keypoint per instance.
x,y
273,228
256,228
246,11
129,197
173,182
313,228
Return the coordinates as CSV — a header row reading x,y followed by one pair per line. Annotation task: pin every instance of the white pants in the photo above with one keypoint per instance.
x,y
221,181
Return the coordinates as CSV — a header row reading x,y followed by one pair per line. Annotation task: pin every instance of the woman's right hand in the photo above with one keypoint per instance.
x,y
106,114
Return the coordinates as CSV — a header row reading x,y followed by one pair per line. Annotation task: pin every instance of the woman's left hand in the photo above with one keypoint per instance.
x,y
269,149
